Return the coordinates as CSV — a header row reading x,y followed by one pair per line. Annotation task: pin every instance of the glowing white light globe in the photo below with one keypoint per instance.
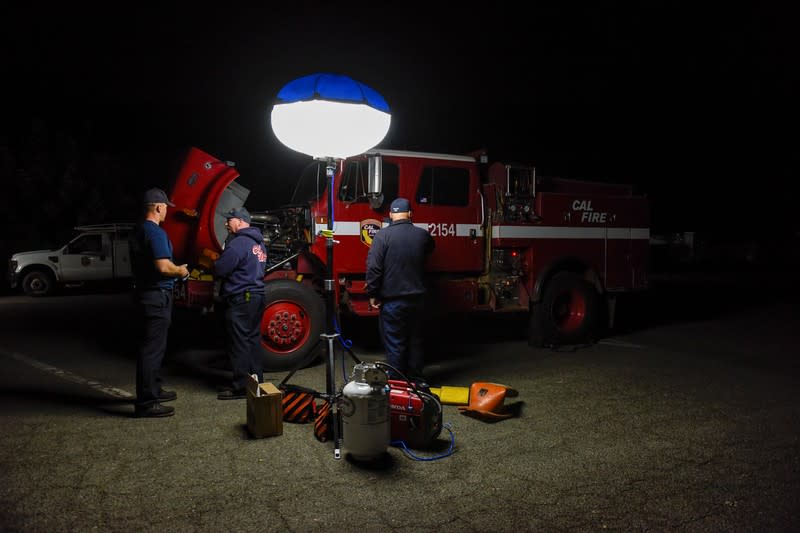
x,y
330,116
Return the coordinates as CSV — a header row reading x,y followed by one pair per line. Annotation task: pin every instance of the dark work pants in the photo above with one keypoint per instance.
x,y
243,326
401,333
155,308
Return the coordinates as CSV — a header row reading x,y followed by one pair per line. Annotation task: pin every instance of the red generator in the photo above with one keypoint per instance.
x,y
416,416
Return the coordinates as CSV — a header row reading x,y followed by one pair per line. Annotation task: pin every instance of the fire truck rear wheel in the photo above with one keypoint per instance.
x,y
293,320
569,312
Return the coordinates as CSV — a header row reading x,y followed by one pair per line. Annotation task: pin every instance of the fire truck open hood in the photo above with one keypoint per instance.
x,y
203,190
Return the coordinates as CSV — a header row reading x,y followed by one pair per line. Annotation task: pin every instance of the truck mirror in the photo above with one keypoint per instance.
x,y
375,201
375,181
375,177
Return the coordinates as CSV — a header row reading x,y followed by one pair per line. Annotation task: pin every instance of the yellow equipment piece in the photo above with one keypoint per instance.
x,y
452,395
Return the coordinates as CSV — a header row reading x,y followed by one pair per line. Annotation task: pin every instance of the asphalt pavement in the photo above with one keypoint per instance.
x,y
685,418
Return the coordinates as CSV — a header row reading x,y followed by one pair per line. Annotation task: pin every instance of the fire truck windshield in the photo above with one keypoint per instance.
x,y
311,184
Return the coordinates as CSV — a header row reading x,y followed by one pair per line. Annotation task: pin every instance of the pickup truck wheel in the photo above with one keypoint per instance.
x,y
38,283
291,325
569,312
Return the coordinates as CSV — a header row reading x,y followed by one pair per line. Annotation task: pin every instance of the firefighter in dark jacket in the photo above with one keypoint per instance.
x,y
395,285
241,267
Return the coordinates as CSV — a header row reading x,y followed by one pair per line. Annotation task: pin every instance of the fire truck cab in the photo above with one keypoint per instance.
x,y
507,240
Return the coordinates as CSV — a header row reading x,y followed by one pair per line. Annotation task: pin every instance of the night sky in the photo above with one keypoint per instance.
x,y
695,107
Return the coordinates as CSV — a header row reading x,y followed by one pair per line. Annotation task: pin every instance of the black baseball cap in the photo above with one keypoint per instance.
x,y
238,212
157,196
400,205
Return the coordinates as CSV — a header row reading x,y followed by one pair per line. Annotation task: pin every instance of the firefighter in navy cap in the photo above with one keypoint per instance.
x,y
395,285
241,267
154,276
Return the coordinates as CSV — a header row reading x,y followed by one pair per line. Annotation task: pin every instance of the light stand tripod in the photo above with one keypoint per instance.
x,y
330,396
330,116
330,312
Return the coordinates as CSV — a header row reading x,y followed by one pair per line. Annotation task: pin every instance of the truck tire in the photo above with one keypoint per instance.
x,y
293,320
38,283
569,312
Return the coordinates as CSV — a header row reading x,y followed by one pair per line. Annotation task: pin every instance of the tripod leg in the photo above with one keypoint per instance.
x,y
331,393
302,363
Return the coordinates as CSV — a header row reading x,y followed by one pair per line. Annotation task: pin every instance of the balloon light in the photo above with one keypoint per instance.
x,y
329,116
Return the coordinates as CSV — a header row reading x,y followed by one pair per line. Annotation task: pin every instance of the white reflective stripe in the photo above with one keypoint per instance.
x,y
561,232
422,155
462,230
346,228
629,233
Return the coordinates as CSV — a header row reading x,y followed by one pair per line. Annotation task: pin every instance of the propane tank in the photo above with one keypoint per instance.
x,y
364,407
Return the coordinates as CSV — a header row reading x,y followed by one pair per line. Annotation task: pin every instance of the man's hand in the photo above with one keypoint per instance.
x,y
169,269
374,303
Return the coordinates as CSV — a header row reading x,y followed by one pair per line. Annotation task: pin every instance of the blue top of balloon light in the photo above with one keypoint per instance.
x,y
323,86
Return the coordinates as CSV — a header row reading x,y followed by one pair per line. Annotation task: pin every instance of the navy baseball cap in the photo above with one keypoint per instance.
x,y
400,205
238,212
157,196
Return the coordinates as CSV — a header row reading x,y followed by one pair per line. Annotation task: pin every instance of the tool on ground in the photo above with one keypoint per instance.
x,y
486,402
451,395
416,415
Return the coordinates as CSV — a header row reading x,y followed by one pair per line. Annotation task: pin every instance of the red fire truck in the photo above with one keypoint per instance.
x,y
507,241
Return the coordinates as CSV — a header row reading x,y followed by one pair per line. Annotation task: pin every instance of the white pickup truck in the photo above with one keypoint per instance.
x,y
98,253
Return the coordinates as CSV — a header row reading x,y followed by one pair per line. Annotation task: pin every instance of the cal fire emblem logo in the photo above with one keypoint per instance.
x,y
369,228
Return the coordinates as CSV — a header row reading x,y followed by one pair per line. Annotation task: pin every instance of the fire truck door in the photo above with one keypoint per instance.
x,y
447,202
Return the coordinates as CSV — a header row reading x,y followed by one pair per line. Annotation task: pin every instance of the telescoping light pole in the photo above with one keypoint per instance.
x,y
330,117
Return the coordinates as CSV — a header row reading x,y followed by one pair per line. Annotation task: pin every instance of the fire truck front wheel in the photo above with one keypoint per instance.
x,y
569,312
291,325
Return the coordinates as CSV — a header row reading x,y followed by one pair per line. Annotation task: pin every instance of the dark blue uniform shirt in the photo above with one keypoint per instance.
x,y
396,260
148,243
